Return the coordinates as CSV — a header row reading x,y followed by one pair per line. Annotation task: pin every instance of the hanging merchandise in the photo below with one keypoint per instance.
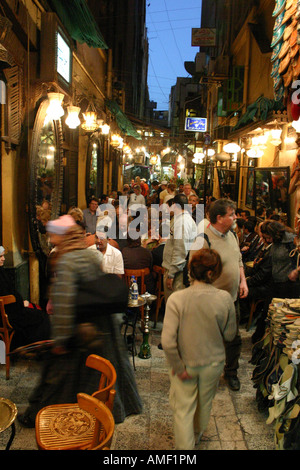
x,y
285,57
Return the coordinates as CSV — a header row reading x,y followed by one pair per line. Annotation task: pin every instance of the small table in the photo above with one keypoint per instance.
x,y
8,414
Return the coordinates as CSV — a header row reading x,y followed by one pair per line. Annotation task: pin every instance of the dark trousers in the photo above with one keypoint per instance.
x,y
233,348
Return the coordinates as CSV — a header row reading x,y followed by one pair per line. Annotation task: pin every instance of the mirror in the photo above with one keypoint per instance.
x,y
250,189
227,183
45,181
268,187
94,167
262,188
204,180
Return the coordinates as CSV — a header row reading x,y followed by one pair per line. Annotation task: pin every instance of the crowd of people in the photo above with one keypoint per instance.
x,y
216,261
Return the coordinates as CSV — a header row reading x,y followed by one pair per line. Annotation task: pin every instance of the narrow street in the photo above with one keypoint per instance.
x,y
235,423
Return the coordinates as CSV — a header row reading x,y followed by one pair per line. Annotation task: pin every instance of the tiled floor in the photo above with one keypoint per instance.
x,y
235,422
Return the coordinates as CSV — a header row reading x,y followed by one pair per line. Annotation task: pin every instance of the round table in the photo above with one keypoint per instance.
x,y
8,414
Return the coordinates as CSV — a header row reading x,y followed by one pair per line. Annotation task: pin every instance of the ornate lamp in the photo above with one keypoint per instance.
x,y
73,120
90,124
55,109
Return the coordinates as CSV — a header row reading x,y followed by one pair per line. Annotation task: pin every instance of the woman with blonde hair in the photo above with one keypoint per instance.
x,y
197,321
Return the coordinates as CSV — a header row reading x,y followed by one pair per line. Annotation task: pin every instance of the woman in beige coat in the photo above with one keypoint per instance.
x,y
196,323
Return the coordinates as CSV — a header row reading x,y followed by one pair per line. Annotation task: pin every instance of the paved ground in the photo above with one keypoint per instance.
x,y
235,423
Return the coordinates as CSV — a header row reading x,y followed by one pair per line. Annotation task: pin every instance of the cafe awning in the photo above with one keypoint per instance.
x,y
123,122
258,111
78,20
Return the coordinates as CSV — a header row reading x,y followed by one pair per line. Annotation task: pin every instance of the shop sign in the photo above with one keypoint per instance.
x,y
203,37
195,124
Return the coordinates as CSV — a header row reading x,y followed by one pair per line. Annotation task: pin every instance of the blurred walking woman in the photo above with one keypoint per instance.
x,y
197,321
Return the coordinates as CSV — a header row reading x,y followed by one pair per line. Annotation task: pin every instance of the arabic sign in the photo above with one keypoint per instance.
x,y
195,124
203,37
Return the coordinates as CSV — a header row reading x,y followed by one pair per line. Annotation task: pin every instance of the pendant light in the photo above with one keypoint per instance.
x,y
73,120
55,109
231,147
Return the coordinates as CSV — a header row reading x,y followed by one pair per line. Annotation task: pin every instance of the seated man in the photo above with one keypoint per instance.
x,y
112,257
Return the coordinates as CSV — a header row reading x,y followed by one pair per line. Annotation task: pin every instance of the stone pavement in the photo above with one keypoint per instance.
x,y
235,422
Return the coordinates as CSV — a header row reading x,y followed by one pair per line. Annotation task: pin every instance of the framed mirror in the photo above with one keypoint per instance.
x,y
227,183
262,188
94,167
268,187
46,176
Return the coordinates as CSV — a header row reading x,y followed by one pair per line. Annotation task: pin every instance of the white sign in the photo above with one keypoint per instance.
x,y
63,58
195,124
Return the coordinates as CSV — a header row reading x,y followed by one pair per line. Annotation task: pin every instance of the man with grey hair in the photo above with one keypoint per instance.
x,y
220,237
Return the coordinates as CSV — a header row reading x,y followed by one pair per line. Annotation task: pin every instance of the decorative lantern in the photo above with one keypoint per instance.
x,y
55,109
90,123
73,120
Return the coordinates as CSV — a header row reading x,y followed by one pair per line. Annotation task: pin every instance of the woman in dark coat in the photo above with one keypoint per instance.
x,y
30,322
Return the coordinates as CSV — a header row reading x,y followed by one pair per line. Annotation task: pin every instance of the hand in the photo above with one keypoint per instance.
x,y
58,350
243,289
293,276
170,283
183,376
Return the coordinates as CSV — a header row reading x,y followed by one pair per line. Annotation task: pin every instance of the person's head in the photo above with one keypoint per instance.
x,y
193,200
137,189
272,231
2,255
205,266
101,240
222,214
123,221
163,184
280,181
104,199
181,188
171,188
93,204
187,189
76,213
245,214
261,212
46,205
155,185
57,229
238,212
249,227
179,201
126,189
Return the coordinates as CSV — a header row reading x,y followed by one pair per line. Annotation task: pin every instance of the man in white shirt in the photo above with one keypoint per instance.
x,y
112,257
136,197
183,232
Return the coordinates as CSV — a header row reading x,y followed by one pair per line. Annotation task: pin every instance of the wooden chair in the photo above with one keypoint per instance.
x,y
90,426
159,289
6,330
253,307
50,416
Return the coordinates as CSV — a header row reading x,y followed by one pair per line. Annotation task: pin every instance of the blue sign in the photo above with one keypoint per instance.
x,y
195,124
